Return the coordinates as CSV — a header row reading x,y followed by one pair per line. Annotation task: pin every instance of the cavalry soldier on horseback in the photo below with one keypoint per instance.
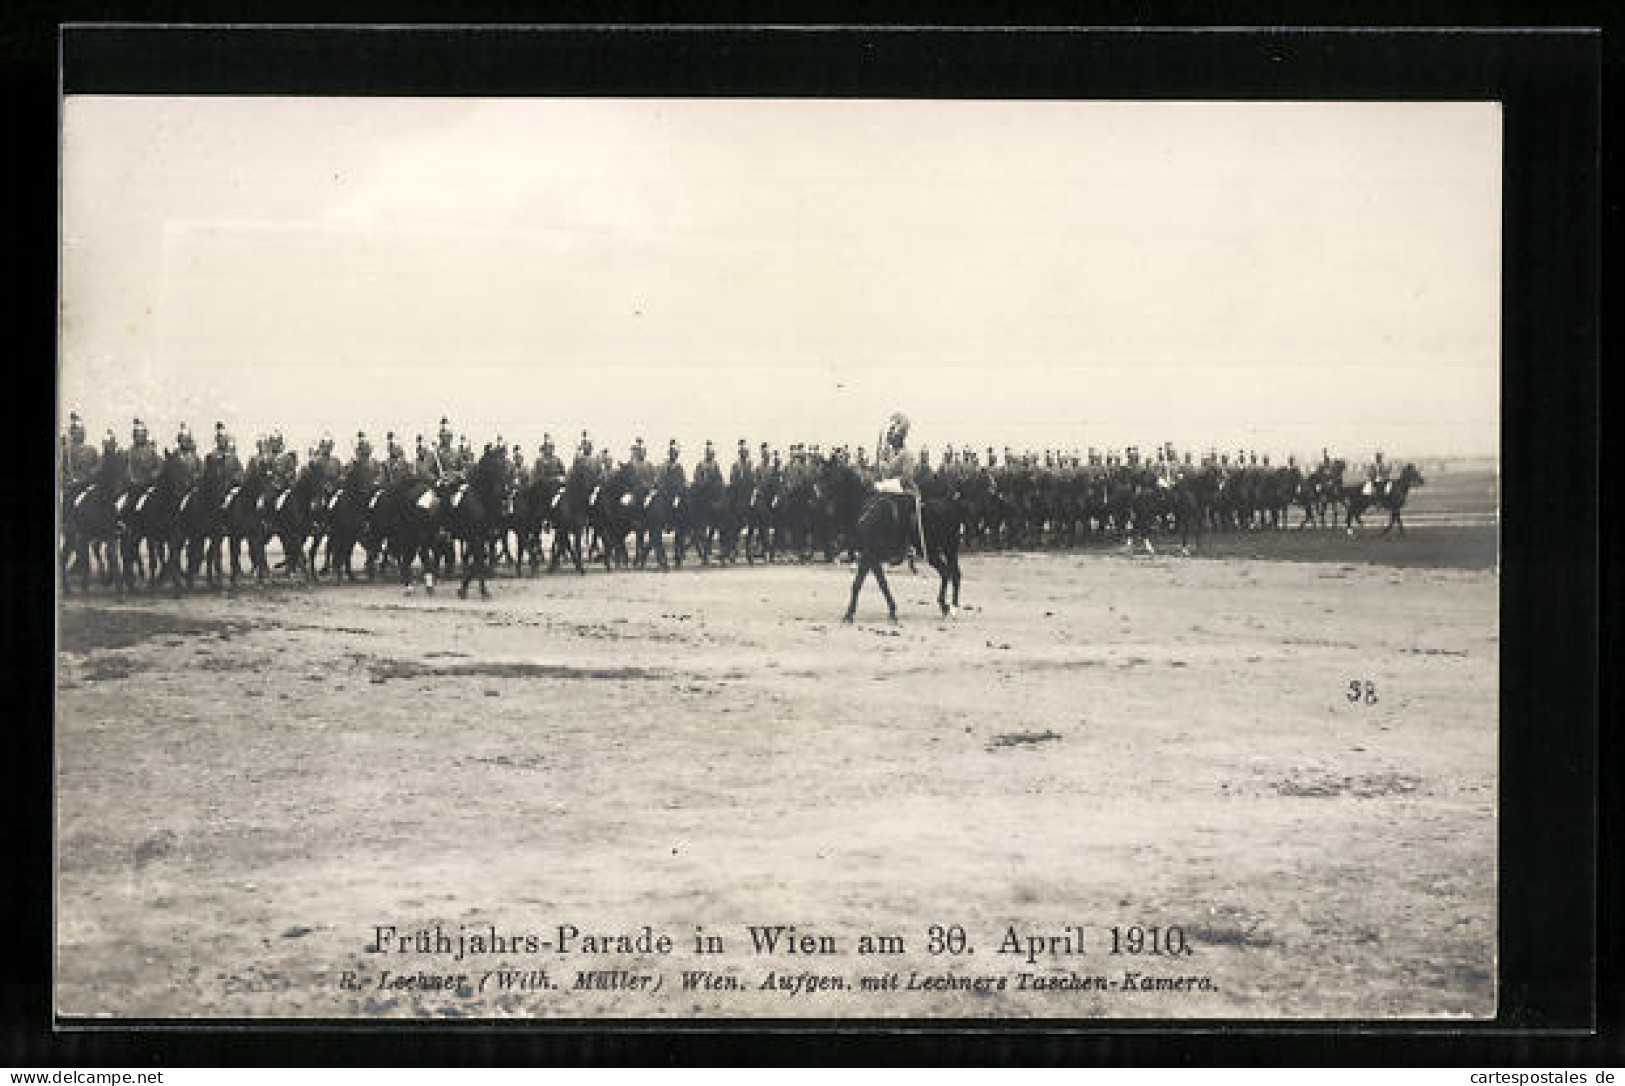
x,y
223,453
423,464
396,469
896,468
328,467
284,462
1376,475
548,465
673,479
79,457
741,477
186,449
708,470
364,471
145,460
644,474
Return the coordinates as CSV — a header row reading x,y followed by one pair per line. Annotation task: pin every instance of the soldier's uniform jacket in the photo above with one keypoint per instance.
x,y
425,468
707,471
328,468
644,473
586,467
364,472
896,464
673,478
79,462
231,468
144,463
194,464
284,468
548,466
396,469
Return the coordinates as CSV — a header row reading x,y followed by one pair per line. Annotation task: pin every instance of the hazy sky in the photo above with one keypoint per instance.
x,y
1284,275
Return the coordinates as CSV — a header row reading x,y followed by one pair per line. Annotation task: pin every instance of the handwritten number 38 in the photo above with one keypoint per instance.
x,y
1362,690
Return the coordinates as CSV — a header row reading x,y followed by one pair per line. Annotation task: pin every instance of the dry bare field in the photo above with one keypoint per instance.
x,y
248,786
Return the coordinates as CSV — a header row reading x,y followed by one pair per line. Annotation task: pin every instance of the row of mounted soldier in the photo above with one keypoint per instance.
x,y
181,508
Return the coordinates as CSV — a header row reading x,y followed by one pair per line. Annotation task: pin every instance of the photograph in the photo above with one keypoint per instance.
x,y
720,559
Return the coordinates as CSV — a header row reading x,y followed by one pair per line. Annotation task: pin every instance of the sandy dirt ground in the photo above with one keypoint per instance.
x,y
248,787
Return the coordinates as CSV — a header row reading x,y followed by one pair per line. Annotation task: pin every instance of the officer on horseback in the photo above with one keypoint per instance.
x,y
896,469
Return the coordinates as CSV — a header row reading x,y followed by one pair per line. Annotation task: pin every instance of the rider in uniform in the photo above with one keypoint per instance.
x,y
644,473
548,465
896,468
363,471
742,477
672,477
79,457
397,468
186,449
230,469
708,471
145,461
423,461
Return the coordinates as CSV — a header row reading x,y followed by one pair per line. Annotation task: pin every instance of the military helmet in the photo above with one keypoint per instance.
x,y
671,448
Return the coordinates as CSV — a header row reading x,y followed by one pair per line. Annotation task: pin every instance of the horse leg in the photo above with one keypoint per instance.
x,y
857,584
885,590
941,566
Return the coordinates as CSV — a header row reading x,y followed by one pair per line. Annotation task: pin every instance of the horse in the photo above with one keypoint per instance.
x,y
569,507
660,508
1389,495
407,516
348,516
147,516
291,516
473,512
243,521
197,519
710,515
613,514
756,512
884,529
90,517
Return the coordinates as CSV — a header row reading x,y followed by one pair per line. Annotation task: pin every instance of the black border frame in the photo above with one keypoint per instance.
x,y
1550,81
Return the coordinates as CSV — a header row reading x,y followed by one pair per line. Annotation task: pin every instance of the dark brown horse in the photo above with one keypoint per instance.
x,y
885,527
